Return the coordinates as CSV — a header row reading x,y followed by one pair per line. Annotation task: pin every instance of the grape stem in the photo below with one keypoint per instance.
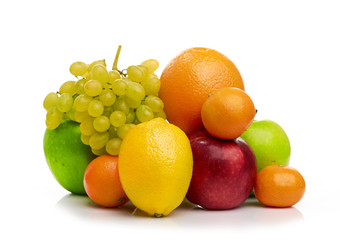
x,y
115,63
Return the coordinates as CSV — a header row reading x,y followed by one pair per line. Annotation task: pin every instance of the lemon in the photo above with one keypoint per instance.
x,y
155,166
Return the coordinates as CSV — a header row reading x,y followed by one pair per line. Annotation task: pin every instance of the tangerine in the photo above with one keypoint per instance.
x,y
188,80
227,113
102,183
279,186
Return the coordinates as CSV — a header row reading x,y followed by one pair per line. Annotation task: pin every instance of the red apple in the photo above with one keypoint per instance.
x,y
224,172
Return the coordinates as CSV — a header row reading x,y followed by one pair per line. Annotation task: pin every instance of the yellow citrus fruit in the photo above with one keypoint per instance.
x,y
155,166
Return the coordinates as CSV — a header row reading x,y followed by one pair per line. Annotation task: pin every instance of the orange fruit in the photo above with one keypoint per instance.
x,y
227,113
102,183
188,80
279,186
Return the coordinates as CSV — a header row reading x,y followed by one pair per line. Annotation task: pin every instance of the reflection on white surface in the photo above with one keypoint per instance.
x,y
187,215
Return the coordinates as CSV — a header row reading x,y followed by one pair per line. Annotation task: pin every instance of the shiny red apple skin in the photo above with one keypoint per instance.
x,y
224,172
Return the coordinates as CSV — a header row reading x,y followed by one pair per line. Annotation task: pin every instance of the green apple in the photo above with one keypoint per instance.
x,y
269,142
66,156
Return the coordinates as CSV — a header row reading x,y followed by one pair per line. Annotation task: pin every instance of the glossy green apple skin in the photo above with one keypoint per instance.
x,y
66,156
269,142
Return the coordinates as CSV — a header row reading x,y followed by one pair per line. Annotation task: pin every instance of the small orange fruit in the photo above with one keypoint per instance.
x,y
279,186
227,113
102,183
188,80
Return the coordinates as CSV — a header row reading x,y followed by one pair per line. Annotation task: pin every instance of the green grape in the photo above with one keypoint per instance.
x,y
113,145
96,108
85,139
160,114
107,97
136,121
84,75
68,87
53,112
113,132
101,124
132,103
144,113
113,75
86,127
151,75
71,114
53,117
65,102
88,76
155,103
131,116
100,62
81,102
78,68
100,73
81,116
119,87
50,100
151,84
79,86
144,69
117,118
93,88
123,130
99,140
107,111
136,73
151,64
135,91
99,152
52,124
121,105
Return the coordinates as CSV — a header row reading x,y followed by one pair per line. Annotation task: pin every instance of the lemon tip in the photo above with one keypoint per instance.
x,y
158,215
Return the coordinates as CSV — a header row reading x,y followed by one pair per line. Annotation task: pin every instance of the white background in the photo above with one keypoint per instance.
x,y
288,53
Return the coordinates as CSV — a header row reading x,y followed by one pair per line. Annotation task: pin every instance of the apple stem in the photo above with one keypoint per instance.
x,y
115,63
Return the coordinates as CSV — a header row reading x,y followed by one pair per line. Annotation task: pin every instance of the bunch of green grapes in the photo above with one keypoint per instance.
x,y
107,104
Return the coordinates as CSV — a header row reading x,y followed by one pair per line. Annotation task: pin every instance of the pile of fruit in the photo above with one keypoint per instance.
x,y
119,135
